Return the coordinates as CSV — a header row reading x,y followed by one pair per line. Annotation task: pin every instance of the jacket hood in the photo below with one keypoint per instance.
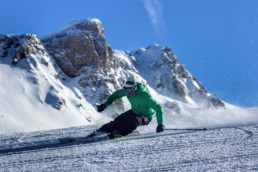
x,y
141,88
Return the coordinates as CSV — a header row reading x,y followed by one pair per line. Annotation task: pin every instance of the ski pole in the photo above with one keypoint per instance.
x,y
185,128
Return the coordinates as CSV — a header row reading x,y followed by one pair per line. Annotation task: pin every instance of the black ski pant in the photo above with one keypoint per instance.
x,y
125,123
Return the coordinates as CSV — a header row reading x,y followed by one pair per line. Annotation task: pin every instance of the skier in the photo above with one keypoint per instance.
x,y
141,113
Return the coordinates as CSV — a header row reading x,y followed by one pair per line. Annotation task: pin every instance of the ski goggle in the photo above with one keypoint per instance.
x,y
129,89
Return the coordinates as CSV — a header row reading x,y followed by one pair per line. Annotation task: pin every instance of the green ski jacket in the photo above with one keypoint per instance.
x,y
141,102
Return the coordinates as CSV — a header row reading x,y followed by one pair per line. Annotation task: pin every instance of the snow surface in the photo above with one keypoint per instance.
x,y
221,149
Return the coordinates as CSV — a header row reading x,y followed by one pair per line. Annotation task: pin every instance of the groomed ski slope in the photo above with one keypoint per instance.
x,y
220,149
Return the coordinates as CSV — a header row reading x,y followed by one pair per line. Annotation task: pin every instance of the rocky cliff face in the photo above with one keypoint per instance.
x,y
79,45
20,46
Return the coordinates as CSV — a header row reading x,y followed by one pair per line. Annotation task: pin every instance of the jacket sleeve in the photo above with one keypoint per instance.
x,y
113,97
157,107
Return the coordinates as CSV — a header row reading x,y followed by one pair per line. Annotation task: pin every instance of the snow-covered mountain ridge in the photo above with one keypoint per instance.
x,y
56,81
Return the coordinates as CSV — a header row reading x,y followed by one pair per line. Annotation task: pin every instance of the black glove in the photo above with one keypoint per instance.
x,y
101,107
160,128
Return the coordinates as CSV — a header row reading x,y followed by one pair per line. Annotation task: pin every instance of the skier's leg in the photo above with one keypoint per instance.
x,y
131,121
128,123
108,127
114,125
125,123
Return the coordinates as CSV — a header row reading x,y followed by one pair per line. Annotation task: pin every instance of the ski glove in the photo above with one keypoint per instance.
x,y
101,107
160,128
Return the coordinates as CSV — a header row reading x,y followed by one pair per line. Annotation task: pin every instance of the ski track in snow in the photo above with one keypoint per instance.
x,y
222,149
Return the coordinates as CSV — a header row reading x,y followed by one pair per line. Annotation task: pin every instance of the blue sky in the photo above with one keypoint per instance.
x,y
217,40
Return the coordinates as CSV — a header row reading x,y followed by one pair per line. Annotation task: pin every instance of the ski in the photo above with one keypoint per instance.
x,y
83,140
92,138
95,138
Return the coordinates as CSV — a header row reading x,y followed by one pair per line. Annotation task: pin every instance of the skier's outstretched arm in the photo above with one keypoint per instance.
x,y
111,99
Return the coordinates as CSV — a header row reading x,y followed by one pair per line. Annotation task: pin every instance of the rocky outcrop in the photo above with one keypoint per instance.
x,y
81,44
170,78
20,46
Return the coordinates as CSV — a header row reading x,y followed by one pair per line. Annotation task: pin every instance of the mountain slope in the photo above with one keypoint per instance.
x,y
32,96
56,82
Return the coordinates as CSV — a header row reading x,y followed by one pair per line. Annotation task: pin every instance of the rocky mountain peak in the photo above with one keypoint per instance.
x,y
81,43
170,78
154,56
93,25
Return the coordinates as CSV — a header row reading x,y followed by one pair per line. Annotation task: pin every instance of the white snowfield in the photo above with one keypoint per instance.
x,y
222,149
